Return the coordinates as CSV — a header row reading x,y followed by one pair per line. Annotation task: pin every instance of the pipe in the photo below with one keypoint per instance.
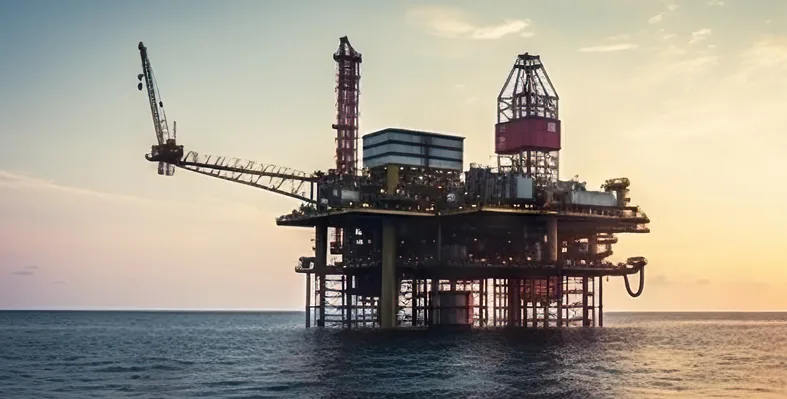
x,y
641,283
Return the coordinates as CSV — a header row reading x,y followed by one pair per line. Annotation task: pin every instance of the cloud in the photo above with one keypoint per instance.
x,y
765,61
18,181
623,36
658,17
608,48
679,68
694,64
217,209
699,35
676,280
453,23
527,34
25,271
498,31
679,65
716,3
658,280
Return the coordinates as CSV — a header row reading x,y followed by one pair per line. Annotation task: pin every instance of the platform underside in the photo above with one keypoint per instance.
x,y
475,272
512,284
611,220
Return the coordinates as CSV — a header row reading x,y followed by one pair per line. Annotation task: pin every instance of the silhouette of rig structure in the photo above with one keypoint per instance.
x,y
414,240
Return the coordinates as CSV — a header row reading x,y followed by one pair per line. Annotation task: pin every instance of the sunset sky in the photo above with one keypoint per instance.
x,y
686,98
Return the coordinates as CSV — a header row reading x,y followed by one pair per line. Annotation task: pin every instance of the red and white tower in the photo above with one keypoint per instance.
x,y
527,133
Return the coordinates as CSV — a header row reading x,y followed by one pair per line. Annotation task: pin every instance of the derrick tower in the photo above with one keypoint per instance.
x,y
527,133
348,76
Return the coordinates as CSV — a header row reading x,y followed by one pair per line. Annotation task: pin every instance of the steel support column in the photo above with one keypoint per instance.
x,y
389,293
514,302
320,266
308,300
533,299
553,253
585,313
348,289
592,251
414,303
601,301
435,282
552,243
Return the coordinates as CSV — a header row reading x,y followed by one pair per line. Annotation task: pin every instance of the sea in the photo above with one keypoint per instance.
x,y
75,354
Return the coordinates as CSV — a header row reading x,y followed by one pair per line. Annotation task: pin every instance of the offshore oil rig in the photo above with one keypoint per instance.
x,y
415,241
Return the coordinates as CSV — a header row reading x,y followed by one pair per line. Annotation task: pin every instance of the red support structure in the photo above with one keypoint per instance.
x,y
348,76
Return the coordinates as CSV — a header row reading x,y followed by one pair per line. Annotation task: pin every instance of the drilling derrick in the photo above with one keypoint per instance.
x,y
527,133
348,76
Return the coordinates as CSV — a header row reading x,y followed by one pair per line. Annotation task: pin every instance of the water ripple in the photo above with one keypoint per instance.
x,y
248,355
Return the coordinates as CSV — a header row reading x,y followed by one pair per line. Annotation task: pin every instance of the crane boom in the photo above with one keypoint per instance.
x,y
285,181
169,155
167,150
159,118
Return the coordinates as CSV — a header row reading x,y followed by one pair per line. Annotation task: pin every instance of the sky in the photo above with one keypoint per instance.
x,y
687,98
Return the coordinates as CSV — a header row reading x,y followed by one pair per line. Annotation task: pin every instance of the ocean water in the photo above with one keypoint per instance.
x,y
257,355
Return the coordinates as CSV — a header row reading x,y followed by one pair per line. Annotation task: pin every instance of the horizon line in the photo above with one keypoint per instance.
x,y
197,310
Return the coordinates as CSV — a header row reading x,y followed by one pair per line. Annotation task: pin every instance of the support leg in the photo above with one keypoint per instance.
x,y
524,300
585,315
320,265
348,305
514,303
533,300
601,301
547,302
414,304
308,300
552,243
553,251
592,252
559,295
389,293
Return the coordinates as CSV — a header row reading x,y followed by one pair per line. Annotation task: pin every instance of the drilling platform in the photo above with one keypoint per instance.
x,y
411,239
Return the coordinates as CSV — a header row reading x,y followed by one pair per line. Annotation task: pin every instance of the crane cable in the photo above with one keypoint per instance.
x,y
641,283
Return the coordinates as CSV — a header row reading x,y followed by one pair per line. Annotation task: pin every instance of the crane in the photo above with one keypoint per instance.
x,y
169,155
